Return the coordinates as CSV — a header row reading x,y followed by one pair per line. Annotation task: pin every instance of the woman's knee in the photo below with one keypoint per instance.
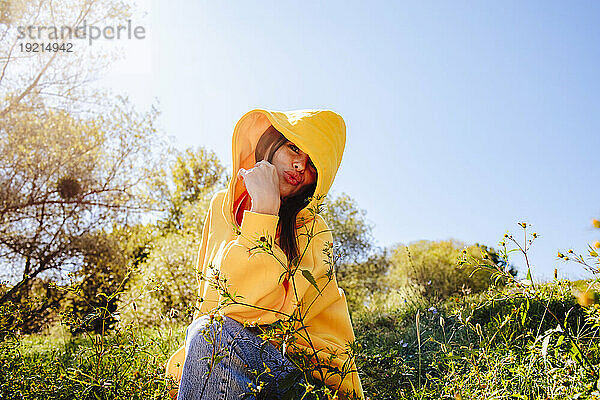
x,y
206,331
198,334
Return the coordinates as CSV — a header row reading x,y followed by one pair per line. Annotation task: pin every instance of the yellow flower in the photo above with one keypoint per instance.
x,y
596,223
586,298
597,244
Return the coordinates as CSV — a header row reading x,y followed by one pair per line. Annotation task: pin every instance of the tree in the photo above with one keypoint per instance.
x,y
351,233
63,178
195,176
74,159
165,283
360,267
363,280
56,79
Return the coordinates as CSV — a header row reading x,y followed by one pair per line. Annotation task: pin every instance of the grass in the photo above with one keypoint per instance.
x,y
499,345
127,363
519,341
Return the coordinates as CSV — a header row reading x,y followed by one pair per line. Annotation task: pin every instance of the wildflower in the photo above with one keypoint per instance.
x,y
560,255
596,223
523,224
534,235
571,251
593,253
586,298
597,244
432,309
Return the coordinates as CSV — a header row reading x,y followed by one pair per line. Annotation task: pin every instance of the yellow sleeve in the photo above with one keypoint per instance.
x,y
257,276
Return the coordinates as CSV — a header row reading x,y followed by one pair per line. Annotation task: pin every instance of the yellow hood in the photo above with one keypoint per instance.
x,y
319,133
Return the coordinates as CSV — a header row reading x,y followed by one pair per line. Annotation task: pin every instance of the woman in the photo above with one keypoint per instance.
x,y
257,232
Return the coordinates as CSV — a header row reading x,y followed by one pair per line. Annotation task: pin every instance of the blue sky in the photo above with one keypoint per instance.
x,y
463,118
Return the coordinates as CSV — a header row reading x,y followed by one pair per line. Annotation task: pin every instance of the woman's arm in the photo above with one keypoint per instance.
x,y
253,274
257,276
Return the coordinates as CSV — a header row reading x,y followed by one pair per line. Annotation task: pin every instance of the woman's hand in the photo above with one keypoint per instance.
x,y
262,184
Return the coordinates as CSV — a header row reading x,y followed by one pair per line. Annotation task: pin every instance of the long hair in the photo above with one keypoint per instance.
x,y
267,145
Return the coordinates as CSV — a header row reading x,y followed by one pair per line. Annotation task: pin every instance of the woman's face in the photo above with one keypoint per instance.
x,y
294,168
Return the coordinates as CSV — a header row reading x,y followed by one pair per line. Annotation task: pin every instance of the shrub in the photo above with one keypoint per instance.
x,y
432,266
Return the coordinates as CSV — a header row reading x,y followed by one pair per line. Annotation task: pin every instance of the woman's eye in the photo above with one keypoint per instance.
x,y
294,148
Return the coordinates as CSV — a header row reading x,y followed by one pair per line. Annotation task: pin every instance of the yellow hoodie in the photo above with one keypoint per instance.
x,y
254,274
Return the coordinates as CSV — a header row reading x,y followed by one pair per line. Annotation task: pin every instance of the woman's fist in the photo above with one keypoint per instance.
x,y
262,184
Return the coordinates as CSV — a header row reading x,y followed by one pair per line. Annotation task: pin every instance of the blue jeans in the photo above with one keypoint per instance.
x,y
238,351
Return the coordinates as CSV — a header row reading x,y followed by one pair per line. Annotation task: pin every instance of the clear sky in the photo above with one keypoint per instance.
x,y
463,118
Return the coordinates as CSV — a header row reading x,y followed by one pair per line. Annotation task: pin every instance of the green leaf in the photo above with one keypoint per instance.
x,y
575,352
306,273
524,313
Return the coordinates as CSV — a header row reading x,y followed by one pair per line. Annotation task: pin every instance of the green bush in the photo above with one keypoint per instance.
x,y
432,266
517,316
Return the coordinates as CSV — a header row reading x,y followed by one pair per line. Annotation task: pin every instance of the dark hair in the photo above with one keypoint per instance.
x,y
267,145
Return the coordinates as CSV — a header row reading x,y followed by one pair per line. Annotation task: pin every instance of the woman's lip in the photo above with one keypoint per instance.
x,y
291,179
